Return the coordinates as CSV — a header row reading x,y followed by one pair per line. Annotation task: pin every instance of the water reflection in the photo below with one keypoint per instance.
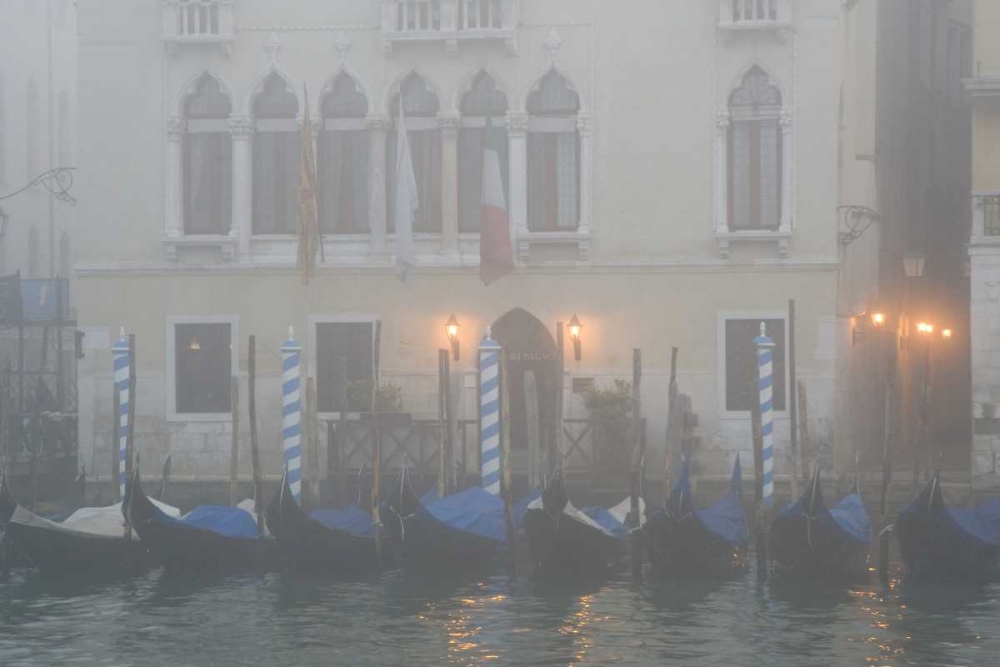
x,y
166,619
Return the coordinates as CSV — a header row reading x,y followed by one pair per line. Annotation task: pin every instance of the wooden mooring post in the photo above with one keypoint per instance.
x,y
793,410
674,426
638,457
130,437
760,516
376,444
884,544
234,450
258,479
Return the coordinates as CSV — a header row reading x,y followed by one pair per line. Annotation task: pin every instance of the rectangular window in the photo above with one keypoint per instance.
x,y
203,367
470,174
741,359
276,157
553,181
344,366
208,172
755,174
342,174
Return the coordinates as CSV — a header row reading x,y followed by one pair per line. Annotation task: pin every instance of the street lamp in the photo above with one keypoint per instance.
x,y
574,335
451,327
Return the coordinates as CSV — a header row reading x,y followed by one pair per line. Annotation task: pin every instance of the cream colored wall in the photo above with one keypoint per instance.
x,y
653,309
985,148
651,77
986,46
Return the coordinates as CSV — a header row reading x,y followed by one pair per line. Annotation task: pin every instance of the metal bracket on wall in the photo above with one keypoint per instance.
x,y
857,220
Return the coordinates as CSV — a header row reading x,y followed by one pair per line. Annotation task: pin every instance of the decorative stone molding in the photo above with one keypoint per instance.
x,y
517,123
379,123
583,124
779,238
226,244
772,17
241,126
449,121
722,119
553,42
577,243
341,44
455,21
787,119
197,22
272,46
983,89
176,127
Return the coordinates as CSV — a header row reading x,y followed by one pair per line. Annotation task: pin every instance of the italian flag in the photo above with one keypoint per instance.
x,y
495,256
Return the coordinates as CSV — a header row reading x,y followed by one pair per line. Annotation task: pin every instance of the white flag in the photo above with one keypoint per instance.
x,y
407,200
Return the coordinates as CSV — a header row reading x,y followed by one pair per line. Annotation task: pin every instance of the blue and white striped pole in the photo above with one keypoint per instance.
x,y
765,364
120,354
489,413
291,412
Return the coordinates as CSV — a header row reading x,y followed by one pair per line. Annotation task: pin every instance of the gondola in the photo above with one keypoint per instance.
x,y
568,543
940,543
680,540
210,537
335,541
462,532
89,539
812,540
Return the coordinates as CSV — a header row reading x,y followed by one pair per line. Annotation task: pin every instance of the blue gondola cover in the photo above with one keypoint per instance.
x,y
725,519
608,522
227,521
849,515
353,520
473,510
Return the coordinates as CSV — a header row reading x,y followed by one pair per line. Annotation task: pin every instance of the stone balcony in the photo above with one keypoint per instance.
x,y
198,22
755,16
449,22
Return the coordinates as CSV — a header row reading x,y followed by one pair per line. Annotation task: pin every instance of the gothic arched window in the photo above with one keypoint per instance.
x,y
420,105
342,160
553,155
208,160
755,153
481,102
276,154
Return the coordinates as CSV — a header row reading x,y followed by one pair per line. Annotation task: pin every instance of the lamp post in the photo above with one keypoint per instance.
x,y
574,334
451,327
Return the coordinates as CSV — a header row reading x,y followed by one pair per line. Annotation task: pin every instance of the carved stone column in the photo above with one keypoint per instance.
x,y
241,129
722,171
449,182
378,127
174,178
517,134
586,172
787,169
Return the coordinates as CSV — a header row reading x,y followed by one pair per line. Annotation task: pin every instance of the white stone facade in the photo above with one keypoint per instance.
x,y
651,260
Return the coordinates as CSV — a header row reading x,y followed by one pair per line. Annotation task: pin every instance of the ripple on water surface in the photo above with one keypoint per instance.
x,y
162,619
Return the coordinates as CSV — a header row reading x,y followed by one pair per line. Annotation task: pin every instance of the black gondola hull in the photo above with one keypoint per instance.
x,y
816,550
561,547
65,552
934,547
682,547
434,549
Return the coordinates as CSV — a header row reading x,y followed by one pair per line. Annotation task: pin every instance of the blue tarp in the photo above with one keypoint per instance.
x,y
473,510
603,517
725,519
849,515
983,521
353,520
476,511
227,521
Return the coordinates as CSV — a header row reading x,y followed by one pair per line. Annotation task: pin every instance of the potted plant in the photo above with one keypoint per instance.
x,y
610,412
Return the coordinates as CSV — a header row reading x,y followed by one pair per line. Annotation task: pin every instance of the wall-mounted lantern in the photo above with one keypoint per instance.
x,y
451,327
876,321
574,335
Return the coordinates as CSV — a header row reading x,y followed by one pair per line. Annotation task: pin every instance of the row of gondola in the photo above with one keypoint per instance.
x,y
473,530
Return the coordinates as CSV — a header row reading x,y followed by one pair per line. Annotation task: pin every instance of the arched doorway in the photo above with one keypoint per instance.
x,y
528,346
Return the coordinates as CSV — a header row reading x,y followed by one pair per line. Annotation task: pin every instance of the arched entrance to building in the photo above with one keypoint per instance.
x,y
528,346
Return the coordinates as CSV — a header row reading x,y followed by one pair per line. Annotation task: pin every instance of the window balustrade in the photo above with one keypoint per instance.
x,y
449,22
198,22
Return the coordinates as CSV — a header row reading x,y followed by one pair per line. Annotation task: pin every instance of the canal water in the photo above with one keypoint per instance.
x,y
279,619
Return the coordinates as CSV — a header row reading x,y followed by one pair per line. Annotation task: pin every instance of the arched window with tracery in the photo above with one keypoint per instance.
x,y
208,160
553,156
755,153
420,105
483,101
343,158
275,158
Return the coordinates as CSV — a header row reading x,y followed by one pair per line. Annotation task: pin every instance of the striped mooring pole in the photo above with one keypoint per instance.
x,y
291,412
120,354
489,413
765,363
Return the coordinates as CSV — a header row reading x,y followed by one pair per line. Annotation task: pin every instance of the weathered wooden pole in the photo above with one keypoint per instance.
x,y
508,516
555,461
312,441
531,412
805,441
674,427
884,544
258,479
442,423
638,456
376,443
793,410
234,451
164,479
449,433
